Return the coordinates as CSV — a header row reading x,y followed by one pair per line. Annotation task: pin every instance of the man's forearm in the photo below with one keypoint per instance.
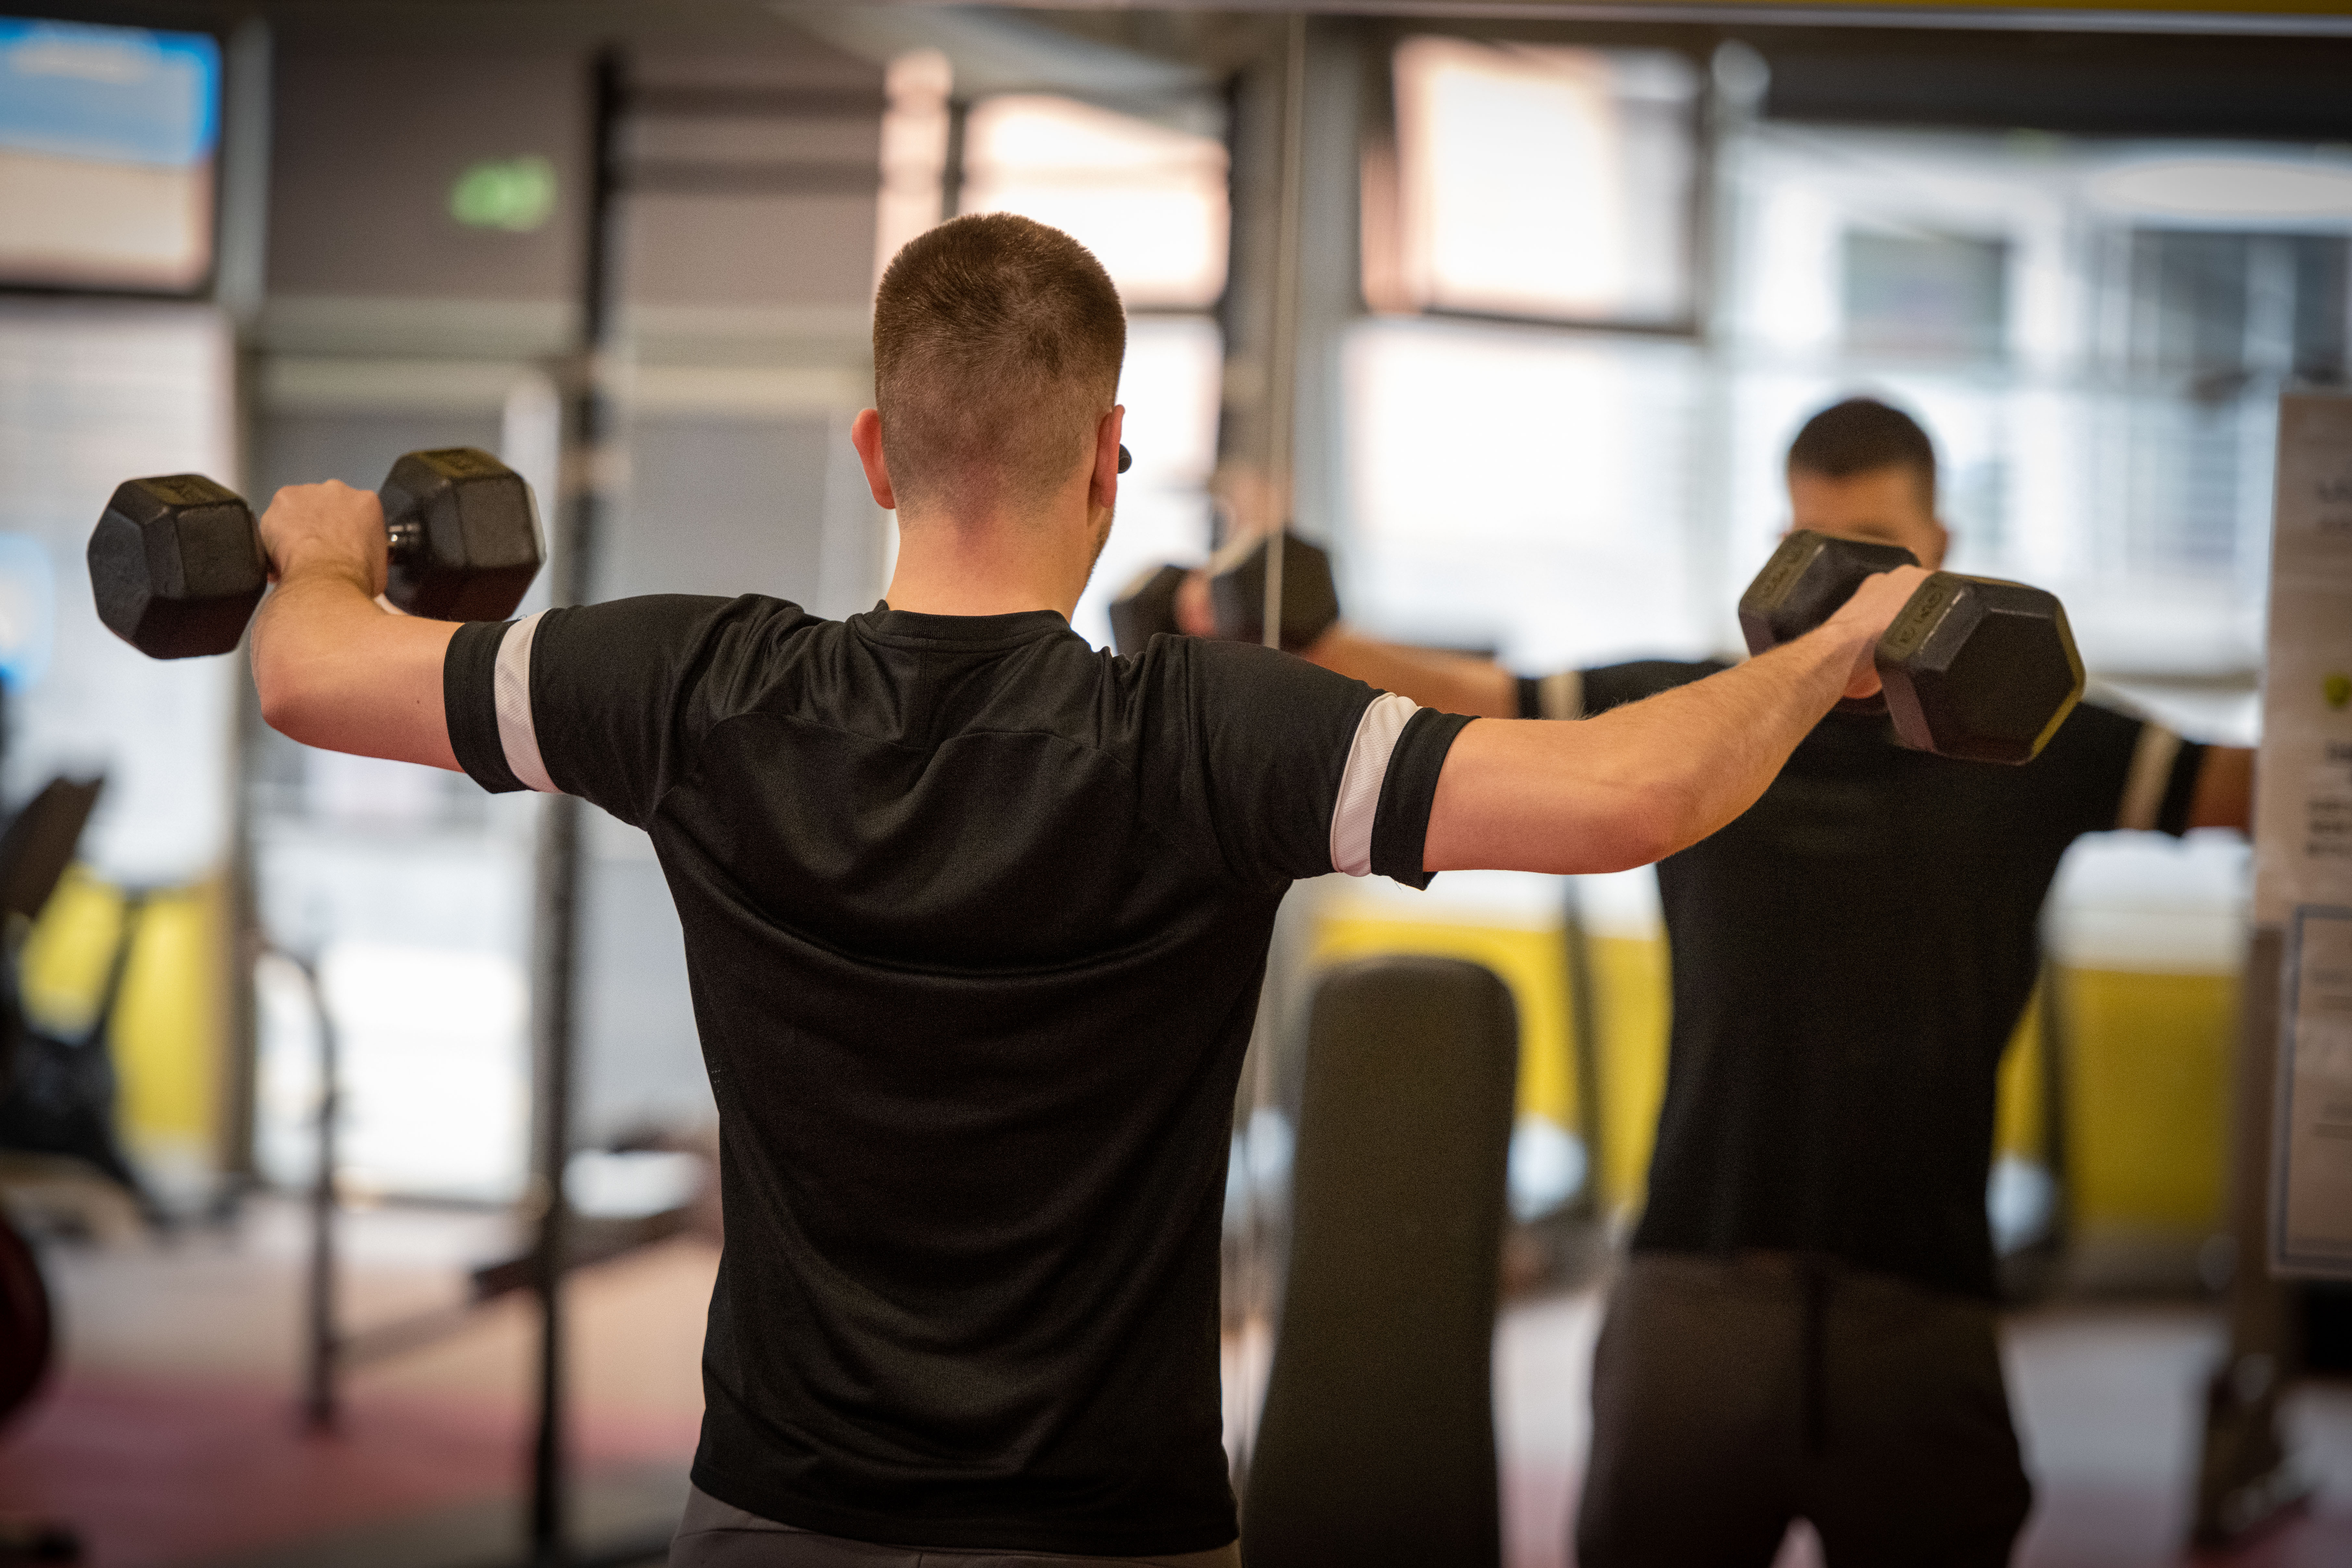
x,y
1451,682
336,670
1640,782
2225,795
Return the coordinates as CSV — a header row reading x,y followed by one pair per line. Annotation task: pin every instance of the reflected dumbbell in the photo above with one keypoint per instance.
x,y
176,565
1146,608
1973,667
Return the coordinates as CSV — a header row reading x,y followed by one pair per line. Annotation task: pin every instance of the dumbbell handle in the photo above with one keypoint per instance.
x,y
404,538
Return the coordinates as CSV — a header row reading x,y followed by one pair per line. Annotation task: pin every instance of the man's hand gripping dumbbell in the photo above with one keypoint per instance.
x,y
1974,666
177,562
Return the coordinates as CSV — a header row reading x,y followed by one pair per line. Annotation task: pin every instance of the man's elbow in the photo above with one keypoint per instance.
x,y
289,704
1638,829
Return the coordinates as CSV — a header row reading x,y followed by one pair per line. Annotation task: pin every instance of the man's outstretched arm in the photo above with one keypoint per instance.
x,y
336,669
1652,777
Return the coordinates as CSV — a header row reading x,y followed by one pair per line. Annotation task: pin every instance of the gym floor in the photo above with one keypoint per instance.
x,y
169,1436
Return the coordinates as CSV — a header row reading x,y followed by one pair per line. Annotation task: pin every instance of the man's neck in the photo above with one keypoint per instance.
x,y
990,566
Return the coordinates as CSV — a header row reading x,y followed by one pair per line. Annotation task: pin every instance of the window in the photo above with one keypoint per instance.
x,y
1552,182
1148,199
1926,294
2095,334
1528,492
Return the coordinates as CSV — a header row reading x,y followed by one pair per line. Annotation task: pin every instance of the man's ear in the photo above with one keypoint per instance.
x,y
1944,537
1103,489
865,434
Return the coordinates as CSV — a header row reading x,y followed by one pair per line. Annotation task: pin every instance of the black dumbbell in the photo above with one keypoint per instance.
x,y
1972,667
1146,608
176,565
1311,600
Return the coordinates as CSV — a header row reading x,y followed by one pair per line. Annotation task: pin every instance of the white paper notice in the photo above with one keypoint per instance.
x,y
2303,822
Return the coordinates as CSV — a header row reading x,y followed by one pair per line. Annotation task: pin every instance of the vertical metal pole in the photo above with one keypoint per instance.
x,y
558,846
1281,441
318,1401
1282,389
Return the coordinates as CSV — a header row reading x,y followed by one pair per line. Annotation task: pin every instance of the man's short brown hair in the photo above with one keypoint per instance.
x,y
997,344
1860,436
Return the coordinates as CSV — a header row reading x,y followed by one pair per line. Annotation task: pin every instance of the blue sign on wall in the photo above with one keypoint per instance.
x,y
117,95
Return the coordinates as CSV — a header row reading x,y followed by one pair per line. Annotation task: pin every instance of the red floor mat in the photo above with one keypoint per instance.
x,y
154,1474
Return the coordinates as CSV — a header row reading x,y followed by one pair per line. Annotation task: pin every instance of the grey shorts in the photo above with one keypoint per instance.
x,y
714,1534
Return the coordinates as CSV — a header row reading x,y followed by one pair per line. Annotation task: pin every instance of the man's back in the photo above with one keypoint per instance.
x,y
975,919
1850,957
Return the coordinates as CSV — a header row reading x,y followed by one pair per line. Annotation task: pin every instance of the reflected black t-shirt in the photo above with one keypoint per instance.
x,y
1850,957
976,921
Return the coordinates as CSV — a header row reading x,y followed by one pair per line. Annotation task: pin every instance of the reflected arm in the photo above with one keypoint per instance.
x,y
1645,780
1451,682
2225,790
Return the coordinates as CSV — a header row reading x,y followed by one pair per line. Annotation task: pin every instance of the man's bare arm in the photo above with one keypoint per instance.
x,y
336,669
1645,780
1449,682
2225,790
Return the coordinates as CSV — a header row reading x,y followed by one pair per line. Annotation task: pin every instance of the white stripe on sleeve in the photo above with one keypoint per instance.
x,y
517,737
2151,772
1561,695
1359,785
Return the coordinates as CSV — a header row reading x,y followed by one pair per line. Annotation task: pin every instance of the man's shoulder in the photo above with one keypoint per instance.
x,y
658,620
1214,668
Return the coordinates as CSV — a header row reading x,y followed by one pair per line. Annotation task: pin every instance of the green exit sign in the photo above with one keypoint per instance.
x,y
517,195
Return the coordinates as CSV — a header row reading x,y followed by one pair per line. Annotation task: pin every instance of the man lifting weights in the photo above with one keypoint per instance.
x,y
976,919
1805,1327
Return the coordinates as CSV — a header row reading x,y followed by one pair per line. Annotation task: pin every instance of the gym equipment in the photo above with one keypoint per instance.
x,y
58,1093
1146,608
176,565
1974,668
1377,1445
1310,601
26,1336
35,850
333,1350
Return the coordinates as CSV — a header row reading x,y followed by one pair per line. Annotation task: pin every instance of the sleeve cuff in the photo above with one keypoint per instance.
x,y
486,699
2160,784
2181,790
1559,696
1408,790
470,704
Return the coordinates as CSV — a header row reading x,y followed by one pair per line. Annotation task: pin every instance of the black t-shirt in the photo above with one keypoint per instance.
x,y
1851,957
976,921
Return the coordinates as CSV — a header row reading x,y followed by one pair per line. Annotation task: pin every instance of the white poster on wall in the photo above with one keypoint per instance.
x,y
2303,826
91,396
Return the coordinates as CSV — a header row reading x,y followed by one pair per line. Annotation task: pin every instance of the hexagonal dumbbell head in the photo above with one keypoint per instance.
x,y
1980,668
1145,608
1310,601
176,566
1808,578
464,535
